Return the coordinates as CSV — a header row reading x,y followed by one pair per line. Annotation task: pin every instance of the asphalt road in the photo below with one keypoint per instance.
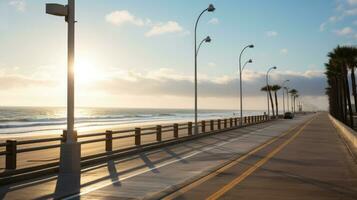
x,y
310,162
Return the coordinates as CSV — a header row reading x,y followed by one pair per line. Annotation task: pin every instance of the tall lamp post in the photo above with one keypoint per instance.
x,y
70,148
282,85
268,88
240,80
287,97
210,8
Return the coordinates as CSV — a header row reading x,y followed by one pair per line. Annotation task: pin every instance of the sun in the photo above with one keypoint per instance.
x,y
85,71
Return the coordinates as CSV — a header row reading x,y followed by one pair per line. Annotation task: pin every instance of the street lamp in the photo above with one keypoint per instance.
x,y
268,88
207,40
240,80
210,8
70,148
248,61
282,85
287,97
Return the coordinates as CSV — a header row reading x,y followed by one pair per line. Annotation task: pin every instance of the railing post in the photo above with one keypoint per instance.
x,y
212,125
230,122
108,140
203,123
11,148
245,120
137,136
189,126
219,124
235,121
158,133
175,130
225,123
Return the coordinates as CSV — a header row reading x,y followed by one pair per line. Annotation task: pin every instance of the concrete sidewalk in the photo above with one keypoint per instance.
x,y
151,173
310,163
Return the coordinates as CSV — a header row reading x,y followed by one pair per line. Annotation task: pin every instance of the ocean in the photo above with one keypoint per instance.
x,y
33,121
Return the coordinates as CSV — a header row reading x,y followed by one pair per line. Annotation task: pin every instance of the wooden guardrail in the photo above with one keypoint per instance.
x,y
13,147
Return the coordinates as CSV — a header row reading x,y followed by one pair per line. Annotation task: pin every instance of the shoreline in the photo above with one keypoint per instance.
x,y
89,130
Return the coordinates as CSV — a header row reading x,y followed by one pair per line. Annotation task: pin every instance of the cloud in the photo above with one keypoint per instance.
x,y
212,64
214,21
351,12
167,82
323,26
271,33
19,81
19,5
122,17
344,31
344,9
284,51
352,2
163,28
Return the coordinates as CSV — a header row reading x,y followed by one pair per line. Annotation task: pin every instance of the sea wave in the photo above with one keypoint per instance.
x,y
53,120
6,124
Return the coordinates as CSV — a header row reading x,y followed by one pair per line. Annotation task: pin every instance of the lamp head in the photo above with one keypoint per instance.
x,y
211,8
56,9
208,39
250,61
251,46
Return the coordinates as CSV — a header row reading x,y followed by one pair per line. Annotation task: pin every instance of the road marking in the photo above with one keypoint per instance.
x,y
240,178
104,184
225,167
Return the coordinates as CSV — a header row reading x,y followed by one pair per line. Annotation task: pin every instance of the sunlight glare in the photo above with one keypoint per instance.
x,y
85,71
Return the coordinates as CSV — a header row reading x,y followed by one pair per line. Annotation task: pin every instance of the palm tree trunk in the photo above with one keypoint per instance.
x,y
343,99
337,98
292,103
354,91
272,103
348,96
276,104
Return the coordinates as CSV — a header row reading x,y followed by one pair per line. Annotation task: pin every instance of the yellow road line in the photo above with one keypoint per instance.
x,y
224,168
240,178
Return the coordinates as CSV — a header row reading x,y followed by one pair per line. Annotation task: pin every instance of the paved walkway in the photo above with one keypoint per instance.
x,y
158,173
310,162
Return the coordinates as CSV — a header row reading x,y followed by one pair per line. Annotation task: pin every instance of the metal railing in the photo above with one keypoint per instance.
x,y
11,148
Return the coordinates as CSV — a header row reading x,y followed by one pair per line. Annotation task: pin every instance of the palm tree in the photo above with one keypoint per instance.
x,y
351,62
275,89
336,91
293,93
268,89
342,58
295,97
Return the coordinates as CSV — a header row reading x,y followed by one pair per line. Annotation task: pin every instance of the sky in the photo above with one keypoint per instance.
x,y
136,53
